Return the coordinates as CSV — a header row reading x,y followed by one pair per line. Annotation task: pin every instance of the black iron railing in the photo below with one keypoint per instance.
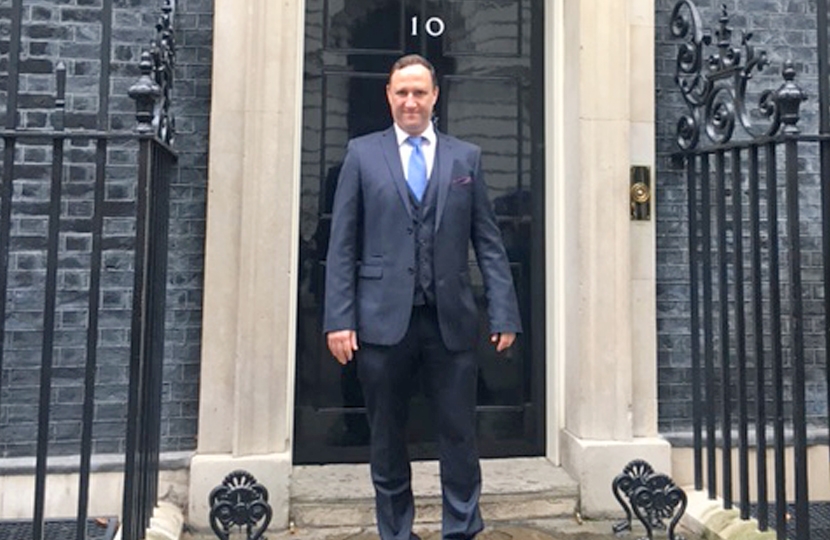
x,y
142,200
147,343
751,174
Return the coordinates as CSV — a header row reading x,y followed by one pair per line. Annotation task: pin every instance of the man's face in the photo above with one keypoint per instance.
x,y
411,98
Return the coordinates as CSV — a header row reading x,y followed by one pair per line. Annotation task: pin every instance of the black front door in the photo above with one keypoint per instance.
x,y
489,60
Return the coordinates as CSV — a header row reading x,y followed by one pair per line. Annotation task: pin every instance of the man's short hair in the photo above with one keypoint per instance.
x,y
414,60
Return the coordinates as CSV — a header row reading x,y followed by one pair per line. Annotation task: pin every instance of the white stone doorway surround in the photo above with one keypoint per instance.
x,y
601,364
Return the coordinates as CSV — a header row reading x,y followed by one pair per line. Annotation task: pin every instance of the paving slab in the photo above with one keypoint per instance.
x,y
551,529
513,533
544,529
507,533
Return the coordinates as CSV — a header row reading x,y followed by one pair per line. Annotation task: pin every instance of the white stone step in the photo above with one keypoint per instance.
x,y
514,490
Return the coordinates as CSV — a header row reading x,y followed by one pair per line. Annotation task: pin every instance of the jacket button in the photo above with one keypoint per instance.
x,y
410,270
409,230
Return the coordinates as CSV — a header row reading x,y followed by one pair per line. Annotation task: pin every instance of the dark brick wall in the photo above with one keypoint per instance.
x,y
71,30
194,27
786,29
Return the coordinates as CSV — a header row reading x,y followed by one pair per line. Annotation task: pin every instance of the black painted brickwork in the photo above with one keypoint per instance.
x,y
786,29
70,30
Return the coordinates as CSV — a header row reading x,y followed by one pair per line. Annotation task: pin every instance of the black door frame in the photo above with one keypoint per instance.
x,y
534,315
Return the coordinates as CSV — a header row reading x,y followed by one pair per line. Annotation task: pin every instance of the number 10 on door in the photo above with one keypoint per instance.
x,y
434,26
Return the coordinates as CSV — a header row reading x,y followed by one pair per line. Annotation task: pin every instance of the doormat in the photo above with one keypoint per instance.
x,y
819,520
96,529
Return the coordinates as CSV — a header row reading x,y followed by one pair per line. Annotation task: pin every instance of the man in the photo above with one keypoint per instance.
x,y
409,203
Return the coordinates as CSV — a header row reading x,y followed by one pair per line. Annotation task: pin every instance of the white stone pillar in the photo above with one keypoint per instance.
x,y
247,376
642,140
604,331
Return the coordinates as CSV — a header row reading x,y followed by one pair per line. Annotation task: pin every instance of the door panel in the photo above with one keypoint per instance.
x,y
488,57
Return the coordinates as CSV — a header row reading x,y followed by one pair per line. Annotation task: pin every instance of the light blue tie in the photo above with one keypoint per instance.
x,y
417,168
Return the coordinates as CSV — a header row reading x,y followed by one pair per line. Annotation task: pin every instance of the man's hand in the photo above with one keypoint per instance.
x,y
503,341
342,344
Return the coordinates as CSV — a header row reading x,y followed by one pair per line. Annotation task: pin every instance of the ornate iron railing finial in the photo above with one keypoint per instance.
x,y
714,87
145,92
154,90
788,100
59,116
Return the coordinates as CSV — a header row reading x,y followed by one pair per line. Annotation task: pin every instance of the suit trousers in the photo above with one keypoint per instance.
x,y
386,374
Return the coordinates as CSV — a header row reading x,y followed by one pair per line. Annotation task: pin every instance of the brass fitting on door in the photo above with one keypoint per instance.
x,y
640,193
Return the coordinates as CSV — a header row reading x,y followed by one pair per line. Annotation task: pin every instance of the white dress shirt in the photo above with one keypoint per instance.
x,y
427,147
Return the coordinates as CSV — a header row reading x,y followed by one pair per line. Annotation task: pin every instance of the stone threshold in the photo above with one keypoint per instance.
x,y
514,490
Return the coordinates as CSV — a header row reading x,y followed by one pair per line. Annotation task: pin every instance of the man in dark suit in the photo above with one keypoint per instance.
x,y
409,203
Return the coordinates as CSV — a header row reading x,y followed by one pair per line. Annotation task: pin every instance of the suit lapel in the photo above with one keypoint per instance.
x,y
389,144
441,171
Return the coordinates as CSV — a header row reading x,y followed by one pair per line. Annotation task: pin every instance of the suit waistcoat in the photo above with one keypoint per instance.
x,y
423,224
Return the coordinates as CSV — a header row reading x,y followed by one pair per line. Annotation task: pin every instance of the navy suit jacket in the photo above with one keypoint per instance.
x,y
370,278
